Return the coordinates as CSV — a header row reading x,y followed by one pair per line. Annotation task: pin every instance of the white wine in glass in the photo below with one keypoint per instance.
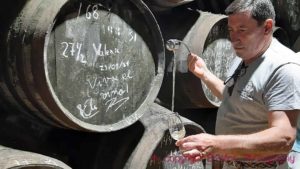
x,y
176,127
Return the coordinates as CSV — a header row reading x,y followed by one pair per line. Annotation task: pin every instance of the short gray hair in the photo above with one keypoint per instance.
x,y
260,10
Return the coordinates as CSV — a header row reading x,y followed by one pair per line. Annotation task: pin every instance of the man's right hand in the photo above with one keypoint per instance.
x,y
197,65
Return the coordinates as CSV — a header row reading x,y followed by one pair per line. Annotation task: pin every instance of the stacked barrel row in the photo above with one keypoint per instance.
x,y
287,13
78,82
88,83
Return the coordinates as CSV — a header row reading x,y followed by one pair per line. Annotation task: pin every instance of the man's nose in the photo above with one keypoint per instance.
x,y
234,37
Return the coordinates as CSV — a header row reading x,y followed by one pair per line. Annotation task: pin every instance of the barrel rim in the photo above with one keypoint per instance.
x,y
139,157
11,158
18,46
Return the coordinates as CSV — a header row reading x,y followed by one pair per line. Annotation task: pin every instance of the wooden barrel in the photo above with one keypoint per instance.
x,y
282,36
214,6
161,6
17,159
86,65
169,3
156,148
288,17
207,36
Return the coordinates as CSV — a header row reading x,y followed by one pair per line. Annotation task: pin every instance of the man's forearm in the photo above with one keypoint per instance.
x,y
215,84
268,142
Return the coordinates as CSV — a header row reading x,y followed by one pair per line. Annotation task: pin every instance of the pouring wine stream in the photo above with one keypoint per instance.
x,y
176,127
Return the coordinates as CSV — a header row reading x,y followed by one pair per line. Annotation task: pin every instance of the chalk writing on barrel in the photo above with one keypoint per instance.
x,y
114,100
100,60
112,66
88,109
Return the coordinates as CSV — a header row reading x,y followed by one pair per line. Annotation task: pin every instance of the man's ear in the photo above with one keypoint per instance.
x,y
269,26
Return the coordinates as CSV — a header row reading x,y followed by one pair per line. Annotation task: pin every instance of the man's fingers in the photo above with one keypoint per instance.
x,y
189,139
187,146
191,61
209,150
192,153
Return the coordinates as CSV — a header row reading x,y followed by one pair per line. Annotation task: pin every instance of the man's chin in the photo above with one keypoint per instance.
x,y
239,53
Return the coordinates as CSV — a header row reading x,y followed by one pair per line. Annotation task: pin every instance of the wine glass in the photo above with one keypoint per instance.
x,y
176,127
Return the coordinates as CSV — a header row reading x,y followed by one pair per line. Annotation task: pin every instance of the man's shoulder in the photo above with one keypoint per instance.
x,y
279,50
278,54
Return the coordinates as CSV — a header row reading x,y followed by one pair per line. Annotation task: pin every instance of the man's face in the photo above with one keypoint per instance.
x,y
247,37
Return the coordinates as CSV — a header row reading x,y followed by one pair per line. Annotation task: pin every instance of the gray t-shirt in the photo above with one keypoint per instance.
x,y
269,83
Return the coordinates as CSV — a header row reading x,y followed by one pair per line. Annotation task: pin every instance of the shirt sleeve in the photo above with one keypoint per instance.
x,y
282,91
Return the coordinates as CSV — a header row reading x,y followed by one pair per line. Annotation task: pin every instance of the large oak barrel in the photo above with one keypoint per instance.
x,y
17,159
206,35
157,149
214,6
288,17
162,6
168,3
86,65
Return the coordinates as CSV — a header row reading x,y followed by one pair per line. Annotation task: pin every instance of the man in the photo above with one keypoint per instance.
x,y
256,122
